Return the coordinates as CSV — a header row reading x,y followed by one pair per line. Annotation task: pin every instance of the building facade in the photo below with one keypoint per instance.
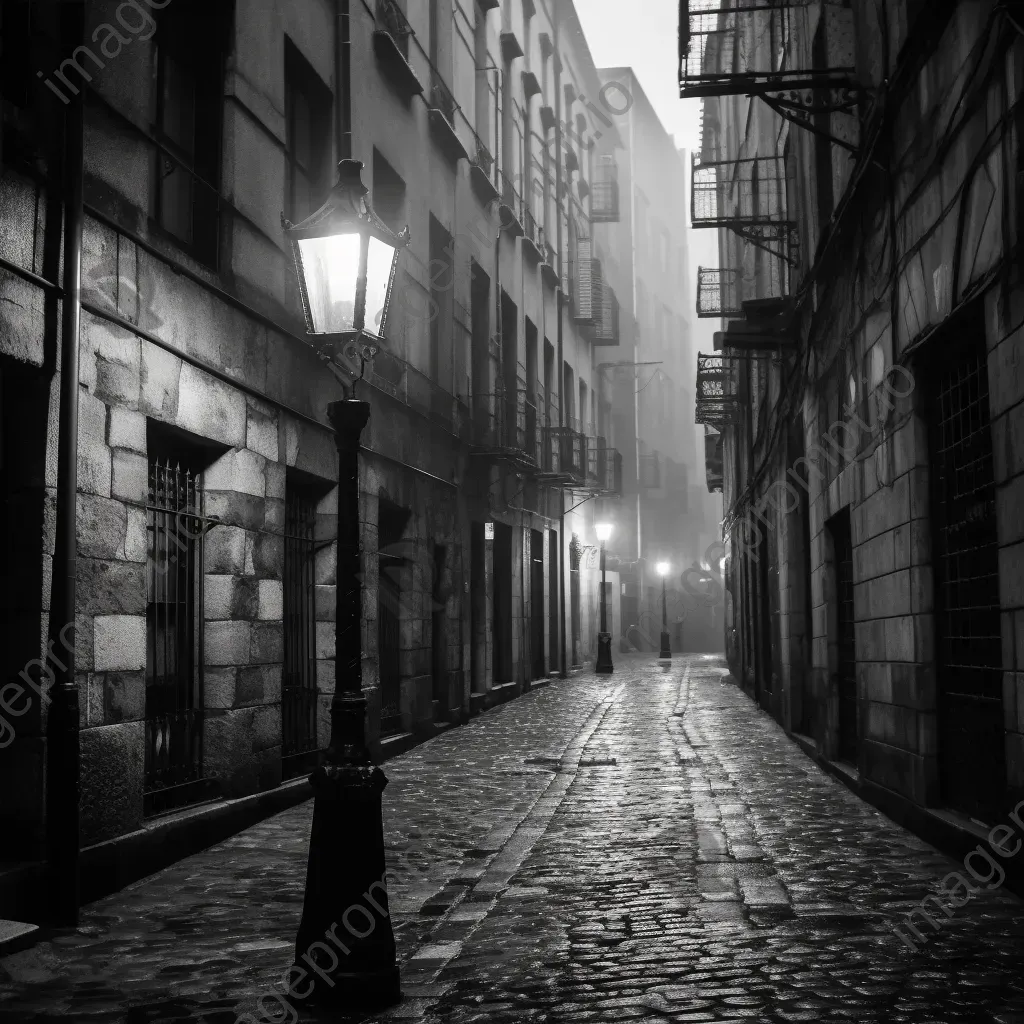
x,y
665,514
207,492
862,406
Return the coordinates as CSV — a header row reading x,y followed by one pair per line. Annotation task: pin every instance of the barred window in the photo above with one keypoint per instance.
x,y
174,619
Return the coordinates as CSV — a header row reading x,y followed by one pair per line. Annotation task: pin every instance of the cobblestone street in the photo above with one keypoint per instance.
x,y
647,846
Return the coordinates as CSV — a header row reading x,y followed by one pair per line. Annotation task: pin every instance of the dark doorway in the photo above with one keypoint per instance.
x,y
763,620
391,522
537,603
965,558
846,657
553,600
502,625
477,609
298,680
438,640
805,719
574,598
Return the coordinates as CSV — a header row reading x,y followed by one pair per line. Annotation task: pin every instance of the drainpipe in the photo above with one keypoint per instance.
x,y
559,371
62,782
343,78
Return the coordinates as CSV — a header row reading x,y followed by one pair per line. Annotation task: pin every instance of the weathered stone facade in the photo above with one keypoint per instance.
x,y
869,476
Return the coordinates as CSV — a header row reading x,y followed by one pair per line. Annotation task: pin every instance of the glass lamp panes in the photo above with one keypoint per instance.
x,y
331,269
380,261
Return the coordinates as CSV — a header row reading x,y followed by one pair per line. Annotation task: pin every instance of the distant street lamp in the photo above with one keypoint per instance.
x,y
345,257
604,638
666,648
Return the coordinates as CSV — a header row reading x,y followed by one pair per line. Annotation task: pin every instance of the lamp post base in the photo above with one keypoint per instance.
x,y
604,654
345,948
666,648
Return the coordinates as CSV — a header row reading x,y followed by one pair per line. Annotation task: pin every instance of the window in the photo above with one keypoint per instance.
x,y
388,193
308,116
174,621
189,96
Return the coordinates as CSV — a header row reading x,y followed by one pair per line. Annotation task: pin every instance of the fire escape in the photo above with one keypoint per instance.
x,y
732,48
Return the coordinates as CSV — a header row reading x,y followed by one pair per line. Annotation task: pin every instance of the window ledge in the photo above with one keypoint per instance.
x,y
398,67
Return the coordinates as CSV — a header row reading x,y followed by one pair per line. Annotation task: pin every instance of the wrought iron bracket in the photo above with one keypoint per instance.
x,y
763,236
798,106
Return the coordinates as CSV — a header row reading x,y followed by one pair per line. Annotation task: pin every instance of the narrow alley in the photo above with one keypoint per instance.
x,y
645,846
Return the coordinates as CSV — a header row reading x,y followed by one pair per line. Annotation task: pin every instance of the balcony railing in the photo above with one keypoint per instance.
x,y
716,398
718,292
604,198
606,329
482,168
533,233
722,292
441,97
737,193
572,449
731,47
585,282
597,460
506,423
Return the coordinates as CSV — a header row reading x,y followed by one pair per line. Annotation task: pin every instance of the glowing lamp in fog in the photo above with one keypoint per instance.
x,y
345,258
603,531
663,568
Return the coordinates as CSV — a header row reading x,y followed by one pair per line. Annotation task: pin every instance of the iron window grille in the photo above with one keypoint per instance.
x,y
174,663
606,329
299,696
969,657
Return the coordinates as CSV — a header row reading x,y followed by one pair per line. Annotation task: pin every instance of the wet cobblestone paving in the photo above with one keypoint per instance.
x,y
642,847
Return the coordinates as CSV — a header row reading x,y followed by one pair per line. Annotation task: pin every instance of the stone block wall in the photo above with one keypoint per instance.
x,y
131,387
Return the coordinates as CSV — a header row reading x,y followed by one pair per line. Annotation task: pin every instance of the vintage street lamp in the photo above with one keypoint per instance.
x,y
666,647
345,257
604,638
345,949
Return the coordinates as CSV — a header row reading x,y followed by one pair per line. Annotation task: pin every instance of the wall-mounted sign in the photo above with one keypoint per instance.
x,y
488,531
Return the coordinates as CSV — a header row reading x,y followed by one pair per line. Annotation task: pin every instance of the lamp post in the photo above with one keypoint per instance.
x,y
604,638
345,258
666,647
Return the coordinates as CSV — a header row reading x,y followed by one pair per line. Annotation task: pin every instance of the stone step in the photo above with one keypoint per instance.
x,y
16,935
